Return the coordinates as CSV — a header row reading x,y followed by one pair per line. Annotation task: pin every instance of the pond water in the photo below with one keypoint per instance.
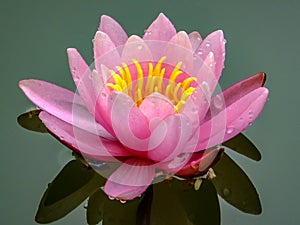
x,y
261,36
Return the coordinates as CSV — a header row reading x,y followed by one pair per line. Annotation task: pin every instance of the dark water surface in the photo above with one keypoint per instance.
x,y
261,36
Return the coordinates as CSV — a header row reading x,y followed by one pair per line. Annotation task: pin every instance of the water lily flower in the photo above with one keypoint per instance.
x,y
149,103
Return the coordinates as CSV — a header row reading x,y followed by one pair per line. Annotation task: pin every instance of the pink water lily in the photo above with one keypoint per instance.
x,y
148,103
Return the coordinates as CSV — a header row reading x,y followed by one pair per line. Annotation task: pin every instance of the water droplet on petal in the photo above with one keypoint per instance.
x,y
205,88
218,101
139,47
250,115
111,198
226,192
200,52
230,130
207,44
123,201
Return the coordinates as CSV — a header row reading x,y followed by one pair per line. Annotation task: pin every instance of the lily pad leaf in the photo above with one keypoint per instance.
x,y
244,146
94,213
31,121
117,213
70,188
177,202
234,186
143,214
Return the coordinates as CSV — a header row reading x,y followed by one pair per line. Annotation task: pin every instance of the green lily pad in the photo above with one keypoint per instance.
x,y
177,202
143,214
69,189
31,121
244,146
117,213
234,186
94,213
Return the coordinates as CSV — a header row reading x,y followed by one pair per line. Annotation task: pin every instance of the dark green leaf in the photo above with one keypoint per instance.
x,y
31,121
144,210
70,188
116,213
244,146
177,202
94,213
234,186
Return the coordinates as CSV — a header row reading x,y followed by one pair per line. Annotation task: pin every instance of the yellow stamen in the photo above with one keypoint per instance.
x,y
187,82
177,93
140,81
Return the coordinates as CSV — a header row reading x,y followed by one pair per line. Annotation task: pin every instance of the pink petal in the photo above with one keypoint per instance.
x,y
232,120
156,106
161,29
200,162
168,138
214,43
113,29
105,52
81,141
62,104
130,180
128,122
179,49
195,39
81,75
136,48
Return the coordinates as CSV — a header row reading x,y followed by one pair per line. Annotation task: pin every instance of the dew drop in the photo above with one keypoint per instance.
x,y
205,88
226,192
148,32
139,47
85,205
200,52
207,44
230,130
123,201
218,101
111,197
250,114
198,38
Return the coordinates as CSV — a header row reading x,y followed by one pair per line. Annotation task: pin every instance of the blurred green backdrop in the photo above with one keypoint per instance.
x,y
262,35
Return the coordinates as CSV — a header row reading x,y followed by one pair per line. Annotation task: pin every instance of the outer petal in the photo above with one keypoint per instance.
x,y
214,43
130,180
81,141
113,29
239,115
81,75
63,104
200,162
160,30
128,122
105,52
195,39
169,137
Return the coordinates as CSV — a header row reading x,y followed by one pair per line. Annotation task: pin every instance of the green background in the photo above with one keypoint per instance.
x,y
262,35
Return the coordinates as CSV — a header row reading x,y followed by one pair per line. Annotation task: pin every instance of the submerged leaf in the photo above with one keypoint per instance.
x,y
94,213
234,186
244,146
70,188
31,121
177,202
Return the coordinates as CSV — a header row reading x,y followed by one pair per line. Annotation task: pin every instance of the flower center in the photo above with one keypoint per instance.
x,y
139,80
